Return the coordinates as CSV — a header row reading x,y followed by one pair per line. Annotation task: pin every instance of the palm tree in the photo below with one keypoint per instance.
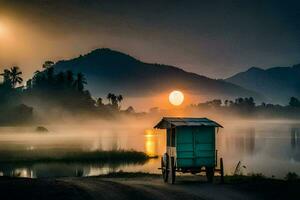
x,y
69,78
120,98
114,101
60,79
15,76
80,82
6,76
109,97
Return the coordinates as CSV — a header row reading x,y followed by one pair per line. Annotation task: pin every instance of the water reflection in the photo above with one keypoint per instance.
x,y
269,148
66,169
295,144
240,140
150,143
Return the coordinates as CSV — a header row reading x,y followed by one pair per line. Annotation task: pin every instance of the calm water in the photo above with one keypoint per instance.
x,y
271,148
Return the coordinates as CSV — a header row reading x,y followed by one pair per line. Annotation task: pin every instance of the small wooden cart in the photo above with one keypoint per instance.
x,y
190,147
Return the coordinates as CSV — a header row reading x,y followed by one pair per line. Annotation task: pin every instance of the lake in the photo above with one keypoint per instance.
x,y
268,147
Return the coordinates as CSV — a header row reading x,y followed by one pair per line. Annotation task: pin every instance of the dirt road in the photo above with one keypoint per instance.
x,y
153,188
145,188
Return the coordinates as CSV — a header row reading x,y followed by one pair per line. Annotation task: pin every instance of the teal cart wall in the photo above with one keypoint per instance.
x,y
195,146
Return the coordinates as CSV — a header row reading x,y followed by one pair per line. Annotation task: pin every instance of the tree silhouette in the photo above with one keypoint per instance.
x,y
50,74
114,100
6,77
60,79
38,79
70,78
216,103
294,102
49,69
15,76
29,84
119,98
48,64
99,102
110,97
80,82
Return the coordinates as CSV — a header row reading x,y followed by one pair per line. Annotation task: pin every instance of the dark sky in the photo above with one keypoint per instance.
x,y
213,38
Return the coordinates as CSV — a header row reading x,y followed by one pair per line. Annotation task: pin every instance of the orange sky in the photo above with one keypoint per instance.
x,y
161,101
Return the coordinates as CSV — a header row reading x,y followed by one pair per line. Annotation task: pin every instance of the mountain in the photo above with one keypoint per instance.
x,y
113,71
278,84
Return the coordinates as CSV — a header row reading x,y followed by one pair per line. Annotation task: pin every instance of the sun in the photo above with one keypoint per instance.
x,y
176,98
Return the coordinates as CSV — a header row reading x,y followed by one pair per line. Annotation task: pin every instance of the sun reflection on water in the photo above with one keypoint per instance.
x,y
23,172
153,142
150,143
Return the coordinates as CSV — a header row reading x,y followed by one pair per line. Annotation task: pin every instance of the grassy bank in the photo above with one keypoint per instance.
x,y
112,156
121,174
269,188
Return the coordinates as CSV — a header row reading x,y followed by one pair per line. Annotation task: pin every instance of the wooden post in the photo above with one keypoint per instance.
x,y
222,170
216,164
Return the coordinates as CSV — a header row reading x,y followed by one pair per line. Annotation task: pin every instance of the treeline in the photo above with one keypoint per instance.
x,y
11,107
248,108
61,90
51,93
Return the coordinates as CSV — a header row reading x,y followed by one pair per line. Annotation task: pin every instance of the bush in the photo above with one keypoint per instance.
x,y
291,176
256,176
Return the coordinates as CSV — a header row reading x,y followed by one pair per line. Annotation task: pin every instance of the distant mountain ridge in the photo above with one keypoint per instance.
x,y
277,83
113,71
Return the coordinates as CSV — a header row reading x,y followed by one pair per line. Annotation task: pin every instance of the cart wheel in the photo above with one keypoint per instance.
x,y
165,167
172,170
210,171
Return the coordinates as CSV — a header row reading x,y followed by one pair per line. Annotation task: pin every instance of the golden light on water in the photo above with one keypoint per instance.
x,y
176,98
150,143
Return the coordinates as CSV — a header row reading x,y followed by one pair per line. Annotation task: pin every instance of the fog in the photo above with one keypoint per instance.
x,y
271,147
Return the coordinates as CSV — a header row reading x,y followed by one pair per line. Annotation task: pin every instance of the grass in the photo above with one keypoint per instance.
x,y
291,177
270,188
113,156
121,174
244,178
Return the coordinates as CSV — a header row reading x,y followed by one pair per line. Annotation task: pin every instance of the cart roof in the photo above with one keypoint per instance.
x,y
168,122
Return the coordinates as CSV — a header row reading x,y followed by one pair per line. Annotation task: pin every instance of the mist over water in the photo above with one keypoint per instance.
x,y
268,147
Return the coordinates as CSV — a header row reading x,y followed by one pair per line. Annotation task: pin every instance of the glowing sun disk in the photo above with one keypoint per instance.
x,y
176,98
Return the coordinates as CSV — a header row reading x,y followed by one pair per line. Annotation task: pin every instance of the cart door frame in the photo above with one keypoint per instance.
x,y
171,143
